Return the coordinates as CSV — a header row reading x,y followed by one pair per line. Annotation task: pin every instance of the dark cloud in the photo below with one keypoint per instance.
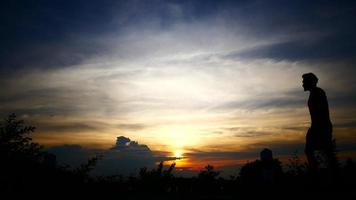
x,y
293,99
252,105
56,33
341,47
253,134
264,18
73,155
347,124
343,99
195,154
317,30
246,132
38,33
53,101
125,144
233,129
294,128
125,157
71,127
349,146
132,126
279,148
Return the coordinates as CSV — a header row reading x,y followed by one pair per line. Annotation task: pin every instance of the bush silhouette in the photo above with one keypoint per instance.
x,y
261,172
157,181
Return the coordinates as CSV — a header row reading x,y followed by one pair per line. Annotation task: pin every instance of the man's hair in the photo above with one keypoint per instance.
x,y
310,77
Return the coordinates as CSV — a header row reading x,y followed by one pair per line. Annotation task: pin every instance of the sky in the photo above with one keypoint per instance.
x,y
211,82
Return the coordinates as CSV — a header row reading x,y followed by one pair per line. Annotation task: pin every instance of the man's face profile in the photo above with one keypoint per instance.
x,y
306,84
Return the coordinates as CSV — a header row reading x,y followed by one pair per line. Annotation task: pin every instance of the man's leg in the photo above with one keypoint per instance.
x,y
309,152
312,161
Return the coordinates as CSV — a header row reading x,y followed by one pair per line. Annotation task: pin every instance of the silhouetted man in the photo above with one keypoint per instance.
x,y
319,136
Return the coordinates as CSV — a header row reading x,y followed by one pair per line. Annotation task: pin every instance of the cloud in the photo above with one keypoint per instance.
x,y
73,155
126,145
53,100
52,34
337,48
293,98
294,128
264,104
41,34
347,124
279,147
133,127
253,134
125,157
195,154
341,99
57,126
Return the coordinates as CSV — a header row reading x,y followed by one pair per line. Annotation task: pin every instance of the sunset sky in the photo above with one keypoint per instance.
x,y
213,82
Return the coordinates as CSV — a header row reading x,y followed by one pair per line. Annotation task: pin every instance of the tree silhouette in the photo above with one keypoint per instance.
x,y
20,157
26,167
208,174
15,142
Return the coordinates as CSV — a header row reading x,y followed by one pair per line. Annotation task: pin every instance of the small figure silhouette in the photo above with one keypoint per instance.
x,y
269,168
319,136
264,173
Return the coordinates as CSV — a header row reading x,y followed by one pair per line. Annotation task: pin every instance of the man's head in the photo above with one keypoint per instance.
x,y
309,81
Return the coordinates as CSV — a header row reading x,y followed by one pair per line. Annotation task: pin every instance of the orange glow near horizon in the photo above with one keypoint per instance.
x,y
199,164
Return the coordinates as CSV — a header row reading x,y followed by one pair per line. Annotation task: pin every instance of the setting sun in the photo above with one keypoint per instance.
x,y
178,154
